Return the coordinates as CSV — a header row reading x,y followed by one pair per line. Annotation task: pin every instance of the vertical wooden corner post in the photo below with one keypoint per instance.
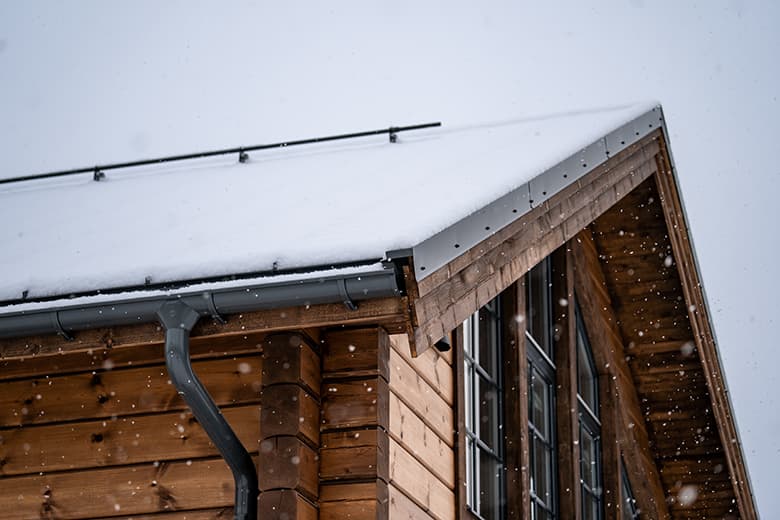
x,y
289,428
354,451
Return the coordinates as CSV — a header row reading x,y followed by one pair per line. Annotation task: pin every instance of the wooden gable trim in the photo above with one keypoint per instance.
x,y
703,332
448,296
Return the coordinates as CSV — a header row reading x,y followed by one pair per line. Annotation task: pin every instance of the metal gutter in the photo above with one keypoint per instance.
x,y
178,319
438,250
67,319
178,313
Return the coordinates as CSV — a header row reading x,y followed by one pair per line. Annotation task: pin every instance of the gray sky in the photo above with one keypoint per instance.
x,y
89,82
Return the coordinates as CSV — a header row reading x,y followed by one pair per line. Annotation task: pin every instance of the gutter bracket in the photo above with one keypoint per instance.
x,y
348,303
55,321
215,315
178,318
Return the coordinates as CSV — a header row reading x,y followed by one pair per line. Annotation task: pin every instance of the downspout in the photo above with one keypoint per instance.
x,y
178,318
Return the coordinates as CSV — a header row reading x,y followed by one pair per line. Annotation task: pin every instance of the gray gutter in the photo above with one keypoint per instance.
x,y
179,312
178,319
67,319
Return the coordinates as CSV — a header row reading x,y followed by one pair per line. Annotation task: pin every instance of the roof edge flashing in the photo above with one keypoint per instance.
x,y
443,247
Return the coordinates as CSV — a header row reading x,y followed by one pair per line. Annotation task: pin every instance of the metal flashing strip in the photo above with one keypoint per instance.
x,y
440,249
66,319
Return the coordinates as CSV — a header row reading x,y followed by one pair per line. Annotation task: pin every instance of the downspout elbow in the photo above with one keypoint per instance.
x,y
178,319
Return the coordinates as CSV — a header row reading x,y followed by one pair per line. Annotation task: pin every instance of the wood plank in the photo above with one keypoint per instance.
x,y
402,507
289,358
121,441
566,406
121,356
419,484
354,500
425,400
431,365
355,353
355,403
123,392
285,503
409,430
368,509
288,409
354,455
516,440
288,463
222,513
125,490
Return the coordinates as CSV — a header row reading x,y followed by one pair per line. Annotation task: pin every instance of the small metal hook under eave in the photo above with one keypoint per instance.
x,y
55,321
348,303
215,315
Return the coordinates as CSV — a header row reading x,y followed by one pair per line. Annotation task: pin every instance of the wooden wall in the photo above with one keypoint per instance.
x,y
354,422
422,439
110,437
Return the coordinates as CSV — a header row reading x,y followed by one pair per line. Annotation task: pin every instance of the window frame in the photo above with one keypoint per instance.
x,y
588,419
472,373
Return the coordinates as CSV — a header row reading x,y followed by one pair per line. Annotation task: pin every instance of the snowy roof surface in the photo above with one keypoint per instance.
x,y
314,205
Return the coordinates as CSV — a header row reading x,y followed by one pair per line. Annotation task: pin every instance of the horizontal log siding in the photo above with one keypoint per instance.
x,y
354,449
422,458
111,436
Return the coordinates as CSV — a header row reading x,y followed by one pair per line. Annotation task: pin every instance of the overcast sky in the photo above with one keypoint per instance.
x,y
89,82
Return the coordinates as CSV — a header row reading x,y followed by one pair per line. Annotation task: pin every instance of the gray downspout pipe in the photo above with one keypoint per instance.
x,y
178,318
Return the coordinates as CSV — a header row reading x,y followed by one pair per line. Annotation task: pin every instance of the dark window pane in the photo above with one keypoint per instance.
x,y
490,482
488,341
587,381
540,404
483,413
489,431
590,507
543,472
589,466
539,307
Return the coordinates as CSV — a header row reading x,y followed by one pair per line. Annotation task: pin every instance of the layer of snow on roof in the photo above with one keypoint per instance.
x,y
286,208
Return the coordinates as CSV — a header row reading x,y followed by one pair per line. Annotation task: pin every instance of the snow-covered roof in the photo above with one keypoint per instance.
x,y
336,203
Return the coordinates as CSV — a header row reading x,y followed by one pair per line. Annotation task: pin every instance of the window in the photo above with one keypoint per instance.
x,y
590,427
541,394
484,412
629,509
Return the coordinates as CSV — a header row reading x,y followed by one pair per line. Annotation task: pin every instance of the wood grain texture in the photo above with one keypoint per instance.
x,y
418,395
452,293
354,500
114,393
607,342
566,406
120,441
419,484
126,490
